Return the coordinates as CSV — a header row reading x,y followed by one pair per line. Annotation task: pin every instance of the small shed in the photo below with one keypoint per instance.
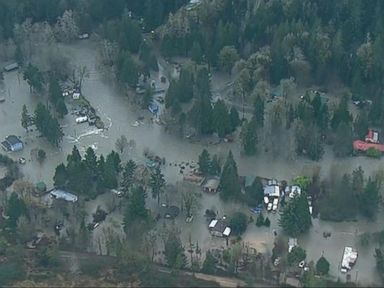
x,y
211,185
272,191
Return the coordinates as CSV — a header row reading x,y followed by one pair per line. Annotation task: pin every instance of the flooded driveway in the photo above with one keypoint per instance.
x,y
118,114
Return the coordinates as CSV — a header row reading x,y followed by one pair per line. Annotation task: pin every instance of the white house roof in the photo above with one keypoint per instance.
x,y
349,258
60,194
213,223
272,191
227,231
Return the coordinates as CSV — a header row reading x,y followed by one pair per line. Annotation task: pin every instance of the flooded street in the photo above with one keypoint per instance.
x,y
118,114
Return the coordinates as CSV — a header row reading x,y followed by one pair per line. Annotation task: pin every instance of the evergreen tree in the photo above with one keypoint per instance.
x,y
128,175
215,168
343,140
249,137
209,264
196,53
135,207
295,218
322,266
259,111
238,223
204,162
255,193
221,120
25,118
34,78
234,119
14,209
61,176
48,125
127,71
361,124
369,199
229,181
174,251
157,184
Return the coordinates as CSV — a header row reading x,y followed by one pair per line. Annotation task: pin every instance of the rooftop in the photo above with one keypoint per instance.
x,y
349,258
212,183
219,225
272,191
13,140
61,194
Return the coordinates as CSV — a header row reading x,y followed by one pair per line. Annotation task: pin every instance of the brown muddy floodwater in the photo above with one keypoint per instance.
x,y
118,114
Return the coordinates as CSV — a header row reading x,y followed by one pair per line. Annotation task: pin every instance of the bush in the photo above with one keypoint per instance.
x,y
267,222
238,223
260,220
373,153
296,255
322,266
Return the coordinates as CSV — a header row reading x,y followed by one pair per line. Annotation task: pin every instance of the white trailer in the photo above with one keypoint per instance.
x,y
80,120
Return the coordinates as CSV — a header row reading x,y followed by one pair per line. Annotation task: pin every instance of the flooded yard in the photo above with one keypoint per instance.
x,y
118,114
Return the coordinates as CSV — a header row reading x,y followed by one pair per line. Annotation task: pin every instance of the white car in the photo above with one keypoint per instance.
x,y
302,264
269,207
275,201
266,200
274,208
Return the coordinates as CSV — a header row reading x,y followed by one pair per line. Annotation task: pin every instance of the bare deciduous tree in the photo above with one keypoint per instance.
x,y
66,28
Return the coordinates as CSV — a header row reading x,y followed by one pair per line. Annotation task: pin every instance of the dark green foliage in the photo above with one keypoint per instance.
x,y
204,162
234,118
209,264
34,78
47,125
229,181
360,125
343,140
147,56
215,168
221,120
48,256
238,223
370,199
295,218
157,184
373,153
127,70
259,111
14,209
41,155
260,220
56,96
25,118
61,176
379,261
337,203
296,255
322,266
128,176
174,251
255,193
196,53
135,210
11,272
341,115
308,141
267,222
249,137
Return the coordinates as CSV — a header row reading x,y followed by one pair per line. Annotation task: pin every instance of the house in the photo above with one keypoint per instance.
x,y
76,95
12,143
219,228
272,191
372,136
11,67
349,259
211,185
60,194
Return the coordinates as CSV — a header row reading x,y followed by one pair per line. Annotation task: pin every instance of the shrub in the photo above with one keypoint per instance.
x,y
373,153
238,223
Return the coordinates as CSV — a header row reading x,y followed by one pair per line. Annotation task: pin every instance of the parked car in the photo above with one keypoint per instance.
x,y
22,160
